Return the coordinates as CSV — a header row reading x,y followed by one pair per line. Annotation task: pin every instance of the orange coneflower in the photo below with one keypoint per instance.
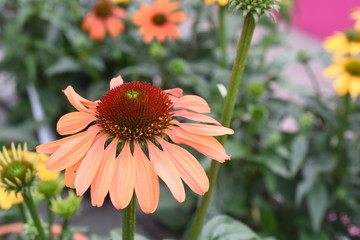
x,y
159,20
126,146
104,17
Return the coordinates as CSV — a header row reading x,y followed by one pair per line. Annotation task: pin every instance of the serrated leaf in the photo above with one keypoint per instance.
x,y
317,202
223,227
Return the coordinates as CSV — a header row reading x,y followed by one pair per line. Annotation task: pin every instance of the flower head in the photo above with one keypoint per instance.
x,y
130,139
255,7
159,20
347,74
220,2
18,170
343,43
104,16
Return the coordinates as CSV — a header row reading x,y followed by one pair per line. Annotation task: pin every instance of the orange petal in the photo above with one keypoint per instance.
x,y
116,81
53,146
147,186
193,103
104,176
90,165
119,12
97,30
177,92
196,117
76,100
70,175
207,145
204,129
123,184
166,170
74,122
114,26
71,151
189,168
177,17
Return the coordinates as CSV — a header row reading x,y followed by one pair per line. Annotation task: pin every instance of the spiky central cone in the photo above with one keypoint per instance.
x,y
17,170
134,111
353,67
102,9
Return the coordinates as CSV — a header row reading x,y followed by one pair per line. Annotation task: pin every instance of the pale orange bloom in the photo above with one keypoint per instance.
x,y
130,139
355,14
105,16
159,20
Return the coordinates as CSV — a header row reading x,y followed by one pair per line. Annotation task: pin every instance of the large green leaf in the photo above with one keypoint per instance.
x,y
223,227
299,149
317,201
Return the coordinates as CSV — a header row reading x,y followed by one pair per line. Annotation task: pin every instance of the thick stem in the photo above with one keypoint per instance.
x,y
22,212
64,227
129,220
229,105
33,212
50,216
223,40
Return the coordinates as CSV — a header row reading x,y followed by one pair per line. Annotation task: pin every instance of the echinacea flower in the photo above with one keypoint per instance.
x,y
355,14
104,16
18,168
126,144
159,20
220,2
343,43
347,74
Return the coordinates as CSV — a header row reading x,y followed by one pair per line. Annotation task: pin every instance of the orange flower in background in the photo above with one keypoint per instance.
x,y
346,72
105,16
355,14
159,20
126,146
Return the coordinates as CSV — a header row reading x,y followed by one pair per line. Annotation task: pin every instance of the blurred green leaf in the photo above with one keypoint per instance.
x,y
63,65
223,227
317,202
299,149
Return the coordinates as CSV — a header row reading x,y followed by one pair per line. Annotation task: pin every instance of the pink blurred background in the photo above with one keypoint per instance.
x,y
322,18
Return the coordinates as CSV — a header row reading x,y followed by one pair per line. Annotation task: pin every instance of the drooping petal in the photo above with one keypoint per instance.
x,y
207,145
122,188
166,170
97,31
193,103
114,26
205,129
74,122
76,100
72,151
90,165
53,146
196,117
116,81
70,175
177,92
189,168
104,176
147,186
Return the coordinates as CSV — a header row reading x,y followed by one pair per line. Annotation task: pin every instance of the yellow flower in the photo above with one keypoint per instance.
x,y
343,43
15,157
220,2
121,1
346,72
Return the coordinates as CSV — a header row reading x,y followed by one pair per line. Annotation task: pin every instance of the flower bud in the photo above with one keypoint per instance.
x,y
259,113
255,7
306,120
50,188
157,51
67,207
256,89
178,66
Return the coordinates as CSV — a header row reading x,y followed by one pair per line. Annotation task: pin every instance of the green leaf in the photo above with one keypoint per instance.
x,y
64,65
116,234
317,202
276,165
299,149
223,227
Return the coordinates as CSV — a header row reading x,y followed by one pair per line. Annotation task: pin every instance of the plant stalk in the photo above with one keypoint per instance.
x,y
229,105
129,220
64,227
33,212
223,40
22,212
50,216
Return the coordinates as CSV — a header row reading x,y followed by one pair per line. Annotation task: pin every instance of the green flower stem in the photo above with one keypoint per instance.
x,y
236,75
129,220
64,228
223,40
341,155
33,212
50,216
22,212
312,77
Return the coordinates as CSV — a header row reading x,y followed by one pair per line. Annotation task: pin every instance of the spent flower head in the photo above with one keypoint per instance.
x,y
130,139
255,7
